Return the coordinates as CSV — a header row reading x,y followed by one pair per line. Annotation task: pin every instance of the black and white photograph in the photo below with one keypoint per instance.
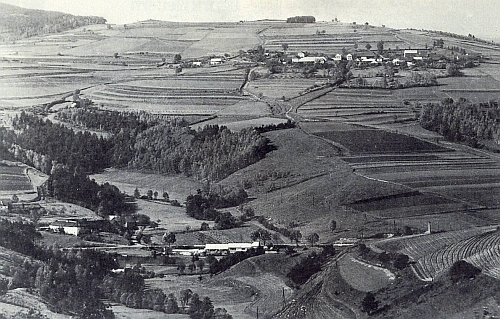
x,y
249,159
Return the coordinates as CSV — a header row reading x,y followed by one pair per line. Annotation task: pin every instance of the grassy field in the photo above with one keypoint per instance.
x,y
363,276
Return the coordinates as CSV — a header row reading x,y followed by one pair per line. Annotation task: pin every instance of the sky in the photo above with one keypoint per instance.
x,y
478,17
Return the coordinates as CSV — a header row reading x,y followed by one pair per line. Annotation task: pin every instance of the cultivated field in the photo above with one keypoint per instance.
x,y
13,179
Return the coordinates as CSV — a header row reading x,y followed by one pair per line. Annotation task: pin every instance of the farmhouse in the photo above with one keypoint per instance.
x,y
349,57
74,227
337,57
367,56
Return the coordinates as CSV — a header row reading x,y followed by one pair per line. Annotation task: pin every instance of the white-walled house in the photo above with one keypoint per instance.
x,y
338,57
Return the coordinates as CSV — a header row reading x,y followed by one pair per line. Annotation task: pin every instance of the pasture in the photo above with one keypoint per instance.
x,y
178,187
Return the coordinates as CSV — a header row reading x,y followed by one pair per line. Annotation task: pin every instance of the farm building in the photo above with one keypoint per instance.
x,y
349,57
215,61
416,54
74,227
230,248
312,59
367,56
337,57
5,204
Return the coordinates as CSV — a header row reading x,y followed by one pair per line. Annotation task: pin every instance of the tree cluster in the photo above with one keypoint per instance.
x,y
213,152
21,22
76,187
306,267
301,19
201,206
293,234
69,281
463,121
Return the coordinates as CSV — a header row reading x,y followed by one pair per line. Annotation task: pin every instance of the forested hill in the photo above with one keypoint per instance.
x,y
17,22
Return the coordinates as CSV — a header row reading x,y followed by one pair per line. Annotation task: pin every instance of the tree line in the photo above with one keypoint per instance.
x,y
463,121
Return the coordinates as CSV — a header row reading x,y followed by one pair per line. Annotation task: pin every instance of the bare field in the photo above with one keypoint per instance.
x,y
276,88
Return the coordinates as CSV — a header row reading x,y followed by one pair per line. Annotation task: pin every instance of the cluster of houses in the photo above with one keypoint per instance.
x,y
367,57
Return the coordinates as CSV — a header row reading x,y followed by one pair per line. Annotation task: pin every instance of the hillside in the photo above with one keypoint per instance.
x,y
17,22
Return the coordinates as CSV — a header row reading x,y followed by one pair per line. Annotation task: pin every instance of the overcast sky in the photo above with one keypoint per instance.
x,y
479,17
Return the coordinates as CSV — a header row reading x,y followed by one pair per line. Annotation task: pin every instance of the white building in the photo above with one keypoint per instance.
x,y
215,61
230,248
70,227
312,59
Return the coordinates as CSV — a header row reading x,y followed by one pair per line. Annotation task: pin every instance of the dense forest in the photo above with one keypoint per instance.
x,y
463,121
42,144
139,142
167,145
20,22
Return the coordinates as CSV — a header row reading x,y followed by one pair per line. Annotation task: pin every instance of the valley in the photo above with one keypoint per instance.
x,y
334,153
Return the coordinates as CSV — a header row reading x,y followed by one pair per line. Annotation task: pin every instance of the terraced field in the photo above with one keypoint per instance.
x,y
187,95
13,179
326,38
482,250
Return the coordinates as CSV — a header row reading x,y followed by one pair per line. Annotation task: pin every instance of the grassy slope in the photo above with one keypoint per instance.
x,y
316,189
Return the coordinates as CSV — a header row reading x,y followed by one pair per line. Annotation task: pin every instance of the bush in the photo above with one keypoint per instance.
x,y
463,270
